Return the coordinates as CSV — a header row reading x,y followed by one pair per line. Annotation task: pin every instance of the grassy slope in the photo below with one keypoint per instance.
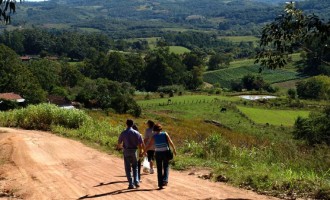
x,y
178,49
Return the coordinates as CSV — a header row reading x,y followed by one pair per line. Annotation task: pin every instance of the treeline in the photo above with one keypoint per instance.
x,y
210,44
60,43
38,79
157,68
103,77
147,18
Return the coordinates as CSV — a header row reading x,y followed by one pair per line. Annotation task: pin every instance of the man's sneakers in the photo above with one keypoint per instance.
x,y
152,171
130,187
165,183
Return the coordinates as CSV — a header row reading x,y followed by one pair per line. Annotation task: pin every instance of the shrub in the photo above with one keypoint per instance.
x,y
292,93
42,117
315,129
317,87
171,89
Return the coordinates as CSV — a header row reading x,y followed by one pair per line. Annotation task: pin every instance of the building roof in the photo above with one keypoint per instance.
x,y
10,96
25,57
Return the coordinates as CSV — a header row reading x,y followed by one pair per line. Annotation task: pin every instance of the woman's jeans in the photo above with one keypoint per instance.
x,y
162,167
130,161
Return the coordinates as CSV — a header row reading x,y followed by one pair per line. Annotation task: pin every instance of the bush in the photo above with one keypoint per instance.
x,y
317,87
125,104
315,129
214,147
170,89
42,117
292,93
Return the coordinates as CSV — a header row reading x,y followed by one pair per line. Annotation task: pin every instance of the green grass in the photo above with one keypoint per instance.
x,y
177,29
152,41
187,99
273,117
238,39
90,30
198,108
178,49
57,26
217,20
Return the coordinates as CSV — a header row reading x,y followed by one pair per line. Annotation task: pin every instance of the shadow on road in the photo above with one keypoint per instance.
x,y
110,183
115,193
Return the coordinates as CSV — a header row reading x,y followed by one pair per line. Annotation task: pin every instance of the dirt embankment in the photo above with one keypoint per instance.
x,y
40,165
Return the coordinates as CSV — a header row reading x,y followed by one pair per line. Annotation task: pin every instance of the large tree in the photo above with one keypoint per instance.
x,y
16,77
291,31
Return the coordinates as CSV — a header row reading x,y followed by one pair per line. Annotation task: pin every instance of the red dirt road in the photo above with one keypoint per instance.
x,y
40,165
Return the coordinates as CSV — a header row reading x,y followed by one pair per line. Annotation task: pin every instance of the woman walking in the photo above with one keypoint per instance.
x,y
162,142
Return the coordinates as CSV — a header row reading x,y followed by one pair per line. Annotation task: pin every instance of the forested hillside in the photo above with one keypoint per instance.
x,y
151,18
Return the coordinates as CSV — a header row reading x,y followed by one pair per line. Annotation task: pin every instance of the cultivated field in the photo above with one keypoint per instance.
x,y
226,76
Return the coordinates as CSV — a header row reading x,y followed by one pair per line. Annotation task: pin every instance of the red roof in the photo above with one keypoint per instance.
x,y
10,96
25,57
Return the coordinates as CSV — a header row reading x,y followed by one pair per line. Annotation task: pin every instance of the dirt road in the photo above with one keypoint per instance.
x,y
40,165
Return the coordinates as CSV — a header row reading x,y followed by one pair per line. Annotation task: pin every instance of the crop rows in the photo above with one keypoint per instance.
x,y
226,76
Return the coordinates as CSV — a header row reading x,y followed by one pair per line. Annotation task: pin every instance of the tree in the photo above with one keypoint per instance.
x,y
317,87
47,73
192,60
291,31
315,129
163,68
219,61
70,75
16,77
196,77
14,40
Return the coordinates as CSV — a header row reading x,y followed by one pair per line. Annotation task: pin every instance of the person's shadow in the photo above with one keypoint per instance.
x,y
110,183
115,193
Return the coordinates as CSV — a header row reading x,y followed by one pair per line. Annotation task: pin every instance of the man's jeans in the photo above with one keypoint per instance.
x,y
162,164
130,161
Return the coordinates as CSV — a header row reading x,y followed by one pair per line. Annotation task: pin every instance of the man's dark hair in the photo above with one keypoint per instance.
x,y
135,127
129,122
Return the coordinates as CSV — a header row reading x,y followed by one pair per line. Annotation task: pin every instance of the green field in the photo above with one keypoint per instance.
x,y
152,41
178,49
241,62
273,117
226,76
90,30
238,39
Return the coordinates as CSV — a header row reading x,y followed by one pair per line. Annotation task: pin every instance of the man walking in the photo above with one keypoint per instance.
x,y
131,141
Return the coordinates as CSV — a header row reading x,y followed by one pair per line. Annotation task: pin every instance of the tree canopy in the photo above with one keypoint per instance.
x,y
292,31
7,9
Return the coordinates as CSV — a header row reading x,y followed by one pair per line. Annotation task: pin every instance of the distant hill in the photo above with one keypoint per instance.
x,y
146,18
